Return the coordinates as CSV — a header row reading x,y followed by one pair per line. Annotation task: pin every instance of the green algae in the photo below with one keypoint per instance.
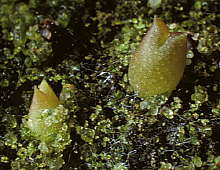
x,y
111,128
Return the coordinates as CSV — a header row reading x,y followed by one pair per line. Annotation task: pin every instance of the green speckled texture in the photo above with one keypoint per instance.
x,y
83,49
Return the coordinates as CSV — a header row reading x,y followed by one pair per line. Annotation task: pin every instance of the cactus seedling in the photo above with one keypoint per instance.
x,y
44,98
46,118
158,64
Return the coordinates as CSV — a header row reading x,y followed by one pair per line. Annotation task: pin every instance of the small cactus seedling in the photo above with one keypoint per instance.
x,y
158,64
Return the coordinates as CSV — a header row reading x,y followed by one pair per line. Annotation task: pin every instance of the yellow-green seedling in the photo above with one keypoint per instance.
x,y
158,64
46,118
44,98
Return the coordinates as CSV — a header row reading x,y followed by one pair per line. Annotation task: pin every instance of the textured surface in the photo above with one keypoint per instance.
x,y
111,128
158,64
41,111
44,98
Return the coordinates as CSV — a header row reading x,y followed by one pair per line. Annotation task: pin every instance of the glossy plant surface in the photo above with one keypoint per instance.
x,y
44,98
158,64
44,119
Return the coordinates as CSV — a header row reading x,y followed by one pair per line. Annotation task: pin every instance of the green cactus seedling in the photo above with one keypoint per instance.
x,y
158,64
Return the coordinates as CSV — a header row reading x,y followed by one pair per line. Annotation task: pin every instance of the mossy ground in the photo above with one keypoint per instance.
x,y
90,46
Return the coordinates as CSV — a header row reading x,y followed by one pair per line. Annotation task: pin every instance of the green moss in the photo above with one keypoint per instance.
x,y
111,127
200,96
86,133
11,140
216,110
165,166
